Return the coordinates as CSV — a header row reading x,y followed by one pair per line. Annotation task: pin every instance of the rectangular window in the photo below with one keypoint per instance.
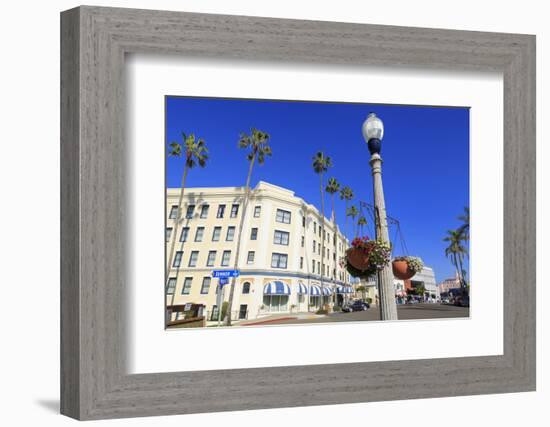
x,y
304,221
301,262
314,246
303,241
250,257
257,211
254,234
230,234
320,230
177,259
278,260
318,267
211,259
168,233
281,238
171,286
314,227
216,234
186,286
319,248
313,266
204,211
221,211
283,216
225,258
193,259
173,212
184,234
198,234
328,253
234,211
190,211
205,285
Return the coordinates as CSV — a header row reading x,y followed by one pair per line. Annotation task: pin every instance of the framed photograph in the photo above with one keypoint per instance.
x,y
280,213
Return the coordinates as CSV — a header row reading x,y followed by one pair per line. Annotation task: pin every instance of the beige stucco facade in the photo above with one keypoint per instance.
x,y
281,242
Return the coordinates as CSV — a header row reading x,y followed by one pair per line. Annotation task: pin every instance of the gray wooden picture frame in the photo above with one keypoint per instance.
x,y
94,382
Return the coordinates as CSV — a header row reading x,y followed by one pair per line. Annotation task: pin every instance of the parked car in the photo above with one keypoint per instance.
x,y
356,306
462,301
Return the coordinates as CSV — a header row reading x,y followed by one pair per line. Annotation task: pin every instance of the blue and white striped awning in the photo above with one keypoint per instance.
x,y
302,289
344,289
350,289
327,291
276,287
314,290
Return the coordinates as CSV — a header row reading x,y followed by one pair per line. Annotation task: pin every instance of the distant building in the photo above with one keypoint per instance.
x,y
426,279
449,287
403,288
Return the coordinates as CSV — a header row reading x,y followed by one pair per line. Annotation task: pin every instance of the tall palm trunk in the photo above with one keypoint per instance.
x,y
335,240
239,240
461,275
176,225
322,235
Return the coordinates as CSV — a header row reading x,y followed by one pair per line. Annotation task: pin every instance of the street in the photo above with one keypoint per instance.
x,y
404,312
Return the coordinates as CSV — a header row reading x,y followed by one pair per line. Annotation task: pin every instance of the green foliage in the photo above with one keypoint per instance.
x,y
321,163
194,150
346,193
224,309
258,143
333,186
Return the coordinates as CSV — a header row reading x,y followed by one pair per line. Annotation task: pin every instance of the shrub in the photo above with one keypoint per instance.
x,y
224,308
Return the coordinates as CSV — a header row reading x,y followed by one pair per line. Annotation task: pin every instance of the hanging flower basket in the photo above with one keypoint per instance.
x,y
358,258
405,267
366,257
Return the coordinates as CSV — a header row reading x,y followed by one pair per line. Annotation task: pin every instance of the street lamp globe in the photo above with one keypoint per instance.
x,y
373,132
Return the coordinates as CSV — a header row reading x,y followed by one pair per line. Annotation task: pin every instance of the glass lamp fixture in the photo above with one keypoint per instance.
x,y
373,127
373,132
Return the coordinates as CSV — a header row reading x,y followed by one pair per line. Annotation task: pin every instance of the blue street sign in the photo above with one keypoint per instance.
x,y
223,281
225,273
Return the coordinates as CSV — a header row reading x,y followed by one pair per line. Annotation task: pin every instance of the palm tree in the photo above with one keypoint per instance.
x,y
361,222
346,194
352,211
320,164
195,152
465,226
257,144
456,251
332,188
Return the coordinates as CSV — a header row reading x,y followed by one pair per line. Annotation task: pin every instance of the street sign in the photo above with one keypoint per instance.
x,y
223,281
225,273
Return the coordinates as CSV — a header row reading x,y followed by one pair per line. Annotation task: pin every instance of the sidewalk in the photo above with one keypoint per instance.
x,y
278,317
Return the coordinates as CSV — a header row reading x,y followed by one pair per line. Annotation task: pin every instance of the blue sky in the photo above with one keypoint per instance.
x,y
425,152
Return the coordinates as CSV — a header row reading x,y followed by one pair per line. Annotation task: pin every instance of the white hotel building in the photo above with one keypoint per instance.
x,y
280,255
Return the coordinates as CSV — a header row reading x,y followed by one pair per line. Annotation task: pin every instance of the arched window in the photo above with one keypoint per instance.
x,y
246,287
